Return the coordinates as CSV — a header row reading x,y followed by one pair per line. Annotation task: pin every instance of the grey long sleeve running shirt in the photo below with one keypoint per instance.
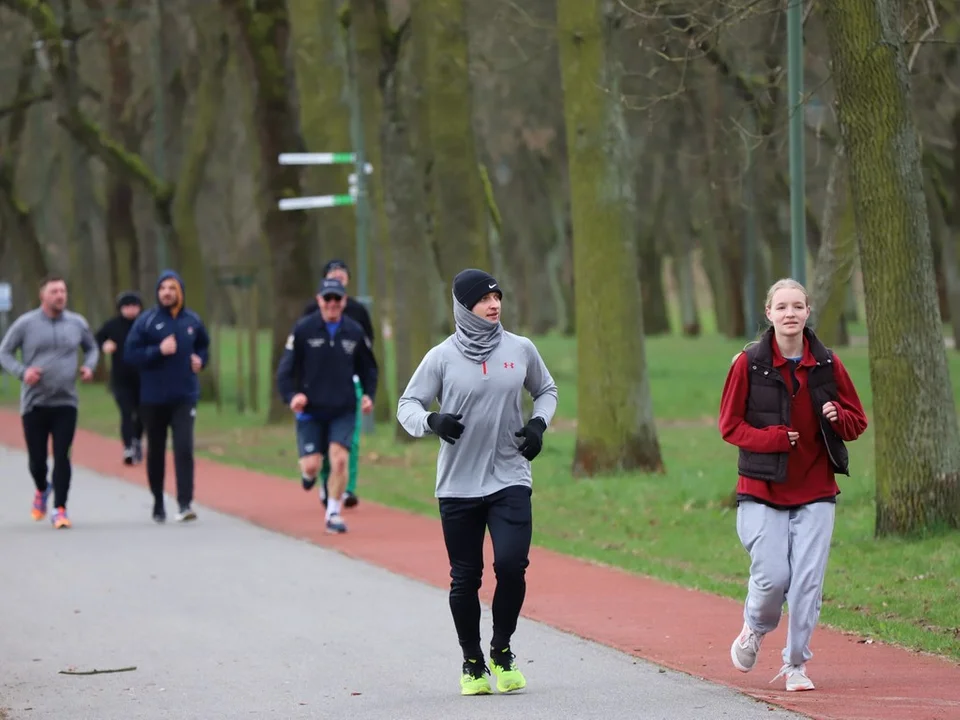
x,y
51,345
485,458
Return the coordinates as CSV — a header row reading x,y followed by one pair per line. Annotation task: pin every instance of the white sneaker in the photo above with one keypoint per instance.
x,y
797,679
745,649
186,514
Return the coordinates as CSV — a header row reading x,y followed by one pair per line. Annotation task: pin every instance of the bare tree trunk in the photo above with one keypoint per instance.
x,y
457,211
616,429
917,439
123,248
320,60
363,27
17,219
208,101
402,195
656,320
265,30
836,257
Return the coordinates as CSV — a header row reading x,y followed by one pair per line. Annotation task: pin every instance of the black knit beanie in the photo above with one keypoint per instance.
x,y
130,297
470,285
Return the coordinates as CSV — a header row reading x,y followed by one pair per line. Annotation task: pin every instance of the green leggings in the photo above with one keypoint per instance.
x,y
354,456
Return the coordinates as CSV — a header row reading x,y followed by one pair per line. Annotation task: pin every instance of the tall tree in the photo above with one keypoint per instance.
x,y
123,247
16,216
836,256
265,30
457,220
616,429
320,61
917,440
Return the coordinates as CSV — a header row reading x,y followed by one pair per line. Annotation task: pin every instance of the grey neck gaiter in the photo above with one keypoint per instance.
x,y
476,337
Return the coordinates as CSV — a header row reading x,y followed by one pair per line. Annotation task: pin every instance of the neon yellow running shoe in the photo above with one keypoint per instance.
x,y
504,666
474,681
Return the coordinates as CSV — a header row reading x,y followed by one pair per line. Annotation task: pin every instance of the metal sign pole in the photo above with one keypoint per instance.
x,y
356,196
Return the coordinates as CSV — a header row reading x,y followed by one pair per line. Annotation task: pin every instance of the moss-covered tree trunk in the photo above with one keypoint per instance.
x,y
457,211
123,250
265,31
836,256
320,63
208,101
367,28
615,429
404,206
917,440
22,234
656,320
18,227
71,117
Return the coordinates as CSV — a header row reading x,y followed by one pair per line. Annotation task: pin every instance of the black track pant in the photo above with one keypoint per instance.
x,y
127,398
41,424
508,514
179,419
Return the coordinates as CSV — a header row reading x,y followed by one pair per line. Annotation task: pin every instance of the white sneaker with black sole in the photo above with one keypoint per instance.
x,y
186,514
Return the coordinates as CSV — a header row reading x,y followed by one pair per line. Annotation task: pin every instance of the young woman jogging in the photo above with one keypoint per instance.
x,y
483,469
789,406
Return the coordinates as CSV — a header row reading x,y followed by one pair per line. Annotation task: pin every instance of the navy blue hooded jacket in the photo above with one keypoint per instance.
x,y
322,368
166,379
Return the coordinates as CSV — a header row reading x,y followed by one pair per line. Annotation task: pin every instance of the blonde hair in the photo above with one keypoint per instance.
x,y
781,284
786,284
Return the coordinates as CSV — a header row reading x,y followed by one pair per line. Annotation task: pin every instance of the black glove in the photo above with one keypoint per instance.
x,y
532,434
448,427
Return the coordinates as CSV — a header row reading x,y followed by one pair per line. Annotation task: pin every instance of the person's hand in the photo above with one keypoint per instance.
x,y
196,363
298,402
109,347
366,405
86,374
830,411
446,426
532,434
169,345
793,437
32,375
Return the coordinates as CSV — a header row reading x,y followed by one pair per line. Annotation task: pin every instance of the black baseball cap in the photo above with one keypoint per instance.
x,y
331,286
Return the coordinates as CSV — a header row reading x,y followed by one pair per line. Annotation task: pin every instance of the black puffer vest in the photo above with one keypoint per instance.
x,y
768,403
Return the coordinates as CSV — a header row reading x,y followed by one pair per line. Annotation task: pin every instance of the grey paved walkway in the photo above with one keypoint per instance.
x,y
226,620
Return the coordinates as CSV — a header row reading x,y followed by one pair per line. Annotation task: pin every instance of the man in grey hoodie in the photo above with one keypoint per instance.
x,y
48,338
483,469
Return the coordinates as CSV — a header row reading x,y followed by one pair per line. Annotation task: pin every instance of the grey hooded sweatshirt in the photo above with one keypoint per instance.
x,y
480,372
50,344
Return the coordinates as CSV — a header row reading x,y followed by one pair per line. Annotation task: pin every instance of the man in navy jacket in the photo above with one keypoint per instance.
x,y
324,352
170,345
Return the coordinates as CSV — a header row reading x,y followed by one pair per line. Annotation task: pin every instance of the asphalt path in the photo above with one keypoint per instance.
x,y
223,619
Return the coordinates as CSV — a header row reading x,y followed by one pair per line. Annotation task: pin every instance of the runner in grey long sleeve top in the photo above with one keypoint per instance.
x,y
50,344
47,339
483,471
485,459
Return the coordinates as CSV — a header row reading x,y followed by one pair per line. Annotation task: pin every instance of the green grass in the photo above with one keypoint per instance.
x,y
677,527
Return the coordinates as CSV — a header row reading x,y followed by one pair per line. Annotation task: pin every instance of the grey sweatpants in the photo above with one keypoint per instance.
x,y
788,561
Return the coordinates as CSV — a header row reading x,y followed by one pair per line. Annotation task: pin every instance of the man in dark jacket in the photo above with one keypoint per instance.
x,y
170,345
338,270
124,378
324,353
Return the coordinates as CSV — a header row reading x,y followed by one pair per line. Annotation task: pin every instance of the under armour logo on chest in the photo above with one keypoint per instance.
x,y
508,365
